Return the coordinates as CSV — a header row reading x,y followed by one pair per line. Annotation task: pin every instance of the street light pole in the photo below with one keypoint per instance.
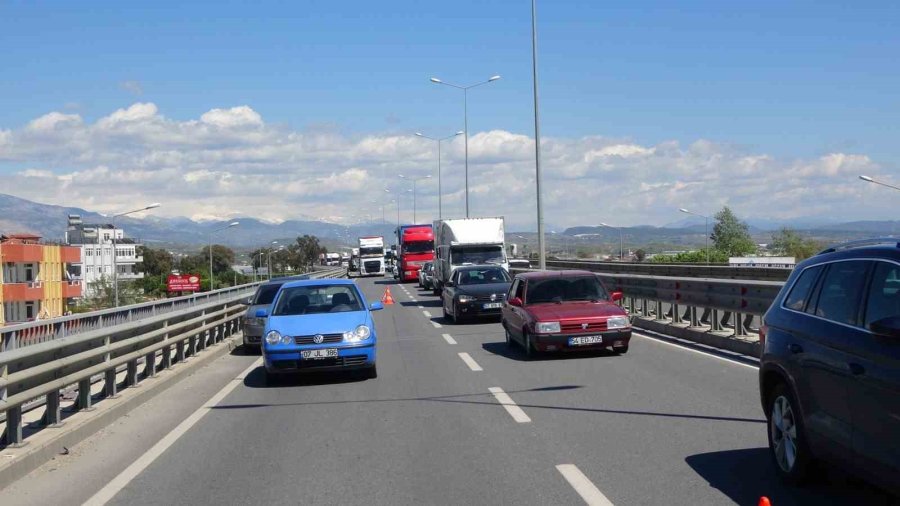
x,y
621,240
542,258
269,259
415,180
706,229
212,280
466,122
440,194
871,180
115,264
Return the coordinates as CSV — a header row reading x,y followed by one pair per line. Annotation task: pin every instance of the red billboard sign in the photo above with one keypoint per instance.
x,y
183,283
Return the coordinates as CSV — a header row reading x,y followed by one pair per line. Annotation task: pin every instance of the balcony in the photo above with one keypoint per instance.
x,y
71,289
19,253
70,254
131,275
20,292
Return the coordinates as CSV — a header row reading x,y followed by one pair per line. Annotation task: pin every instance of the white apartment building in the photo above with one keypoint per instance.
x,y
96,243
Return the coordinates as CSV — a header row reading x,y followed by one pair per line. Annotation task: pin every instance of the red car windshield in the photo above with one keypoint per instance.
x,y
558,290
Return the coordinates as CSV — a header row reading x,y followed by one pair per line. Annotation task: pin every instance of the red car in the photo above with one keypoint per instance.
x,y
564,311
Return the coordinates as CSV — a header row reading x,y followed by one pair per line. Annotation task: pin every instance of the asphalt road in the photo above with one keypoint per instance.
x,y
659,425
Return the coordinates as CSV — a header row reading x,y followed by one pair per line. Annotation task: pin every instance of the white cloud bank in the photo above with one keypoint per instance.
x,y
231,162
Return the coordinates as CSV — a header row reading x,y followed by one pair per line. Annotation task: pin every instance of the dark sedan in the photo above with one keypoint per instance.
x,y
473,291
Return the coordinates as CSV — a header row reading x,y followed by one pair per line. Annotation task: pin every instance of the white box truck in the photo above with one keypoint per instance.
x,y
371,256
467,241
332,259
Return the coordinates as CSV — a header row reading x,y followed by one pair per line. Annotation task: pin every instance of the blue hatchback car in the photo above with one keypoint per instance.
x,y
319,324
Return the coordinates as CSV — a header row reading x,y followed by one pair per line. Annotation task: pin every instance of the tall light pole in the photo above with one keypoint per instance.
x,y
212,281
542,259
621,240
870,180
115,252
269,259
414,180
398,192
466,122
706,229
439,140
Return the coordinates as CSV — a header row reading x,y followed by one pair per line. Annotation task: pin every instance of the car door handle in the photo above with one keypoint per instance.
x,y
795,348
856,369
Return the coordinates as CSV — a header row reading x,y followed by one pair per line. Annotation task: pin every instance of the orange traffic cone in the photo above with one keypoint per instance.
x,y
387,298
764,501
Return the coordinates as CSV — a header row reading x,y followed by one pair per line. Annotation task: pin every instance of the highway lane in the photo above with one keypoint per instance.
x,y
659,425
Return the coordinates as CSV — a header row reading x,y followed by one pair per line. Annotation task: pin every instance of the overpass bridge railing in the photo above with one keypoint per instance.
x,y
156,335
675,270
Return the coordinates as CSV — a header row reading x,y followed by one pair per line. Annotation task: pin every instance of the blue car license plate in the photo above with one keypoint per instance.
x,y
583,340
319,354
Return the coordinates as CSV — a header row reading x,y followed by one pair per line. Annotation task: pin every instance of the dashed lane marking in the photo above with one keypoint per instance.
x,y
448,338
473,365
587,490
509,405
426,313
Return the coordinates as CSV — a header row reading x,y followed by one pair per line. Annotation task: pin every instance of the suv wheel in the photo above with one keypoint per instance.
x,y
787,439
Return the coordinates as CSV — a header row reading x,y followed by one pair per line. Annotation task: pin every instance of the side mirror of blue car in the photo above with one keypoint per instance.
x,y
376,306
261,313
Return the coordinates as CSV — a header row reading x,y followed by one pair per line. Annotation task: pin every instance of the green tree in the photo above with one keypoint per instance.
x,y
222,259
306,252
640,255
156,261
731,235
789,242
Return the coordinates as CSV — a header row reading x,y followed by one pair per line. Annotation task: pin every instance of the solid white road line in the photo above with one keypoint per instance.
x,y
427,314
137,467
436,325
692,350
511,407
587,490
448,338
470,361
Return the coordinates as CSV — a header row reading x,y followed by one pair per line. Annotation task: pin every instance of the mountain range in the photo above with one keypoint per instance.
x,y
49,221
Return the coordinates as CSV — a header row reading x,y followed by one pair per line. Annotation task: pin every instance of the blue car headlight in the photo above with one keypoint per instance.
x,y
360,333
273,337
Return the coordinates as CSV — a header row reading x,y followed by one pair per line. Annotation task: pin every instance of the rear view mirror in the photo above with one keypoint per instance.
x,y
616,296
261,313
887,327
515,301
249,301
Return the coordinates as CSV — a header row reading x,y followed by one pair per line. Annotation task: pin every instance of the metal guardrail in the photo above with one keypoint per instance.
x,y
701,303
675,270
45,369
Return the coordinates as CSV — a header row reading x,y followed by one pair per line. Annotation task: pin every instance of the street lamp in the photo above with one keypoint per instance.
x,y
439,140
398,192
621,240
542,259
414,180
269,260
465,122
685,211
212,280
115,252
870,180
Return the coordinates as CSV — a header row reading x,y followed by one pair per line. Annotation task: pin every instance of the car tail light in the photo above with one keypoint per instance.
x,y
763,330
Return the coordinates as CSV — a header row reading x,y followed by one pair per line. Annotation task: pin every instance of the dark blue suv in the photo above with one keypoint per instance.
x,y
830,369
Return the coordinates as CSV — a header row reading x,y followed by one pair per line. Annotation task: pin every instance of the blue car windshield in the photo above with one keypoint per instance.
x,y
303,300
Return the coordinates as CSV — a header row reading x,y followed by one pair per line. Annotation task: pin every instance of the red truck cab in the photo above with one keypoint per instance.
x,y
415,248
562,311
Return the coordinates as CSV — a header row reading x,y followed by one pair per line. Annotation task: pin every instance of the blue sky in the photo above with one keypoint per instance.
x,y
792,80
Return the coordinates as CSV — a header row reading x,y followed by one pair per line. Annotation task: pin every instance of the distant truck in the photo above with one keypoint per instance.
x,y
415,247
371,256
333,259
354,260
467,241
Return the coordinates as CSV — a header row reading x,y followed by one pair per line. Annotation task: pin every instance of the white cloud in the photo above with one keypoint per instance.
x,y
133,87
230,162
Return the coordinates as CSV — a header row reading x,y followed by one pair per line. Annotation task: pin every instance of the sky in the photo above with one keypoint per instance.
x,y
286,110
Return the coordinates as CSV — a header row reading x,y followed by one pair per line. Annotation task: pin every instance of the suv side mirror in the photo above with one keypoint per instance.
x,y
887,327
261,313
616,296
515,301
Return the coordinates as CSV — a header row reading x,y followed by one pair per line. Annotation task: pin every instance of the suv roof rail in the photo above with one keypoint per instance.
x,y
862,243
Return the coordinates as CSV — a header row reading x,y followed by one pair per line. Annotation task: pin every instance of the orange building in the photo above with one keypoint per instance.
x,y
34,280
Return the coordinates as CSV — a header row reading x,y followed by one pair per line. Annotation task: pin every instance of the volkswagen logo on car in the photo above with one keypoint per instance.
x,y
318,338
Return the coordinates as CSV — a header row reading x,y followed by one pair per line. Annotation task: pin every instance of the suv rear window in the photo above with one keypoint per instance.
x,y
842,289
802,289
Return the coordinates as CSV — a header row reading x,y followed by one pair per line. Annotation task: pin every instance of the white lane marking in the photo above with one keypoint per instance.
x,y
509,405
137,467
420,306
587,490
448,338
470,361
427,314
685,348
436,324
413,299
